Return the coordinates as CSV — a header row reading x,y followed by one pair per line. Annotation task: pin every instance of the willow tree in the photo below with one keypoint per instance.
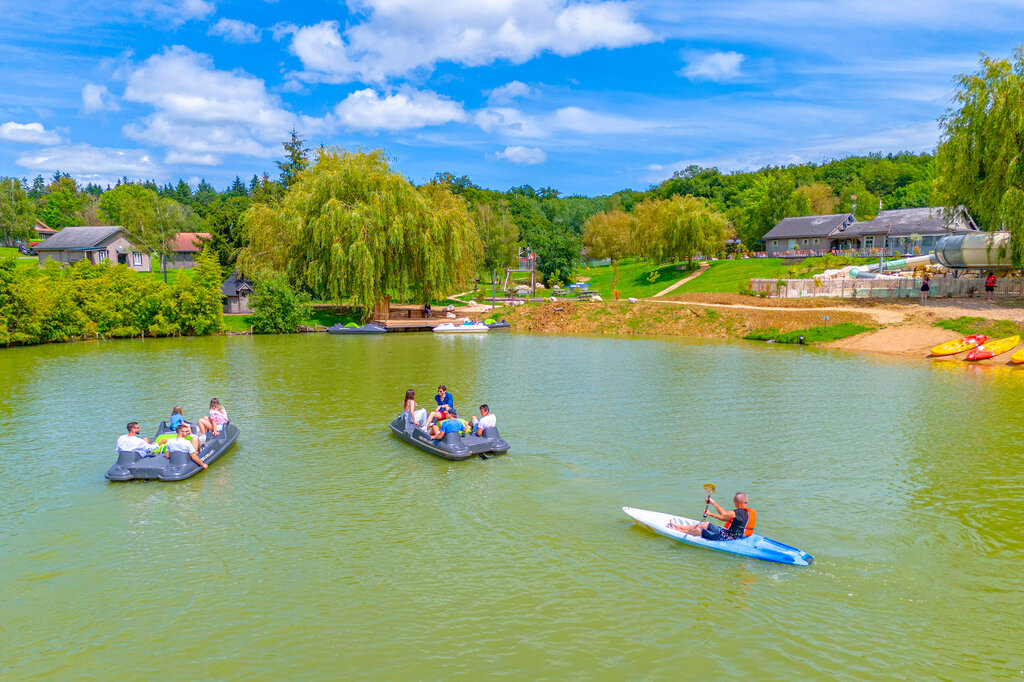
x,y
609,234
981,151
350,227
679,228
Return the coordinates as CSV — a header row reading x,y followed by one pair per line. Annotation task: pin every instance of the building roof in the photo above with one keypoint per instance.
x,y
43,229
189,242
234,283
79,238
808,226
903,222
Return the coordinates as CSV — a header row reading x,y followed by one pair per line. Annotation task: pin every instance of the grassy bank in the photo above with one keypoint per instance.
x,y
816,334
731,276
634,278
994,329
667,319
241,323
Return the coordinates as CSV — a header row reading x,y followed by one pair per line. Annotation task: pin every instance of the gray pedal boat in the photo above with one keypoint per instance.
x,y
453,446
179,466
494,326
370,328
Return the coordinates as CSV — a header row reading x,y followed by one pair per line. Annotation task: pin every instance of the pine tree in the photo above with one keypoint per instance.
x,y
296,159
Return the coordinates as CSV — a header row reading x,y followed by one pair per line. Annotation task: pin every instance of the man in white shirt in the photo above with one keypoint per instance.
x,y
130,442
486,421
183,443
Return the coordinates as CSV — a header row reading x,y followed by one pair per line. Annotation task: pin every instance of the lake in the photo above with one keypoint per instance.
x,y
323,547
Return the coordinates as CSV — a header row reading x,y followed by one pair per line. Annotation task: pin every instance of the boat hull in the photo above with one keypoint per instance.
x,y
960,345
453,446
131,467
754,546
991,349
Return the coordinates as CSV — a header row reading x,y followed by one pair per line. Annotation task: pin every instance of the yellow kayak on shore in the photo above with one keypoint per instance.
x,y
1017,358
960,345
993,348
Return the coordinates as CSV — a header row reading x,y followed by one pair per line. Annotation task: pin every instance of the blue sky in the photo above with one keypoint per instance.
x,y
586,97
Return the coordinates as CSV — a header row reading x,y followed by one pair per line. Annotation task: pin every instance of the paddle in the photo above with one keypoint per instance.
x,y
709,488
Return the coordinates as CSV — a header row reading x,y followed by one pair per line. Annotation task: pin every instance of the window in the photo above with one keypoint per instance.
x,y
815,241
136,259
805,242
775,242
869,241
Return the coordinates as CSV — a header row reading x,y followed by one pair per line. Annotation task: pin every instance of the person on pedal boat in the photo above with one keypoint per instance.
x,y
445,405
130,442
739,522
450,425
184,443
486,420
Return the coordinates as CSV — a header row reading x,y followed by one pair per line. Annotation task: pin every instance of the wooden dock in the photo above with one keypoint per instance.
x,y
407,325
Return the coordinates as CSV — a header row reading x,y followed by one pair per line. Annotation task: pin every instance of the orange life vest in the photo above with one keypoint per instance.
x,y
748,529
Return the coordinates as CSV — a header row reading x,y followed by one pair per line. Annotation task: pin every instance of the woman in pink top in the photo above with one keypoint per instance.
x,y
218,418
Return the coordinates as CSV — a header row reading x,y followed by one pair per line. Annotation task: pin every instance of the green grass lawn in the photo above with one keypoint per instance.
x,y
732,276
633,278
6,251
994,329
819,334
241,323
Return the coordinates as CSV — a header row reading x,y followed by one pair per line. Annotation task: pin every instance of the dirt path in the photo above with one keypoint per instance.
x,y
881,315
700,269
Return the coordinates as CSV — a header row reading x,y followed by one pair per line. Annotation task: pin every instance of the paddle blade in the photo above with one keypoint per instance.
x,y
709,488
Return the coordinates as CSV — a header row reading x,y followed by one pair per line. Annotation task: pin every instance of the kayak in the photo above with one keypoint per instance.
x,y
993,348
464,328
754,546
960,345
1017,358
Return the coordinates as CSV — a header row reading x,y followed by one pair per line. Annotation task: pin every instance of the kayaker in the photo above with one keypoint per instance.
x,y
130,442
739,523
486,421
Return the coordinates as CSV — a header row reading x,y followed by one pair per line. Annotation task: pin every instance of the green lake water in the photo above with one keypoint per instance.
x,y
322,547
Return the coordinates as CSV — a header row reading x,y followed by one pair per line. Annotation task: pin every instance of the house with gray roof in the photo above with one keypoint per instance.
x,y
94,243
236,291
899,229
805,233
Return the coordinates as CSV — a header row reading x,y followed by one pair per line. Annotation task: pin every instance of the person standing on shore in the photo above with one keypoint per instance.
x,y
990,285
925,288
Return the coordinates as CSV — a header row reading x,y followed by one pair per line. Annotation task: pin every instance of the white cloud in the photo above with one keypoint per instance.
x,y
92,164
28,133
508,121
402,36
407,108
98,98
580,120
713,66
235,31
509,92
176,12
524,156
202,113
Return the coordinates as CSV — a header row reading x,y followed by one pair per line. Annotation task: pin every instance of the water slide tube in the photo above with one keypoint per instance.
x,y
871,271
965,251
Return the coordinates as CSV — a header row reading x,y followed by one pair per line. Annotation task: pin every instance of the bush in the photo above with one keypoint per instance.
x,y
277,307
57,304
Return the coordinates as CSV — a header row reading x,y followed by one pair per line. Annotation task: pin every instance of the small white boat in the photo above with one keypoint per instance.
x,y
466,327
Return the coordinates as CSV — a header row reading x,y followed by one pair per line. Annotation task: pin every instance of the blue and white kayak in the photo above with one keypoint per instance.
x,y
754,546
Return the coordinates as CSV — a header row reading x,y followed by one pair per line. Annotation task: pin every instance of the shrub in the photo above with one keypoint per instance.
x,y
277,307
